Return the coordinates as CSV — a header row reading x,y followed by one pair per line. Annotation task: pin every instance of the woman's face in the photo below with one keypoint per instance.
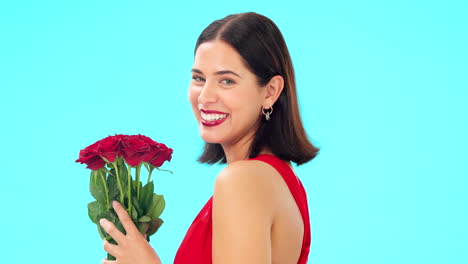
x,y
225,96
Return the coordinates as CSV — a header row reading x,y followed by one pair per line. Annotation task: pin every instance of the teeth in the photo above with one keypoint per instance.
x,y
212,117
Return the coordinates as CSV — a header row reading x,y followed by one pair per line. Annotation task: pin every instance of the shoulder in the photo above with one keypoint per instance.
x,y
242,213
247,184
244,175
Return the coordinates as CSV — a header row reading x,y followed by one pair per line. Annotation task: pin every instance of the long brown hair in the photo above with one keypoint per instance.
x,y
261,45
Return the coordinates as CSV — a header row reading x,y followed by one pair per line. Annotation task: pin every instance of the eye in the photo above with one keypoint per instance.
x,y
198,79
228,81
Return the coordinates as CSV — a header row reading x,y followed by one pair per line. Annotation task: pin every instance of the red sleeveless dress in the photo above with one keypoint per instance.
x,y
196,246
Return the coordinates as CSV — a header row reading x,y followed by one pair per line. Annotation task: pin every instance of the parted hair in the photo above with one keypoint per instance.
x,y
261,45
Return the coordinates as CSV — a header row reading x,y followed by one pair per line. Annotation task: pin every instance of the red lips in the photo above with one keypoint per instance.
x,y
212,112
214,122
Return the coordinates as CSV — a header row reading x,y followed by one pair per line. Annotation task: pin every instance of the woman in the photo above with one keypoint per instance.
x,y
244,99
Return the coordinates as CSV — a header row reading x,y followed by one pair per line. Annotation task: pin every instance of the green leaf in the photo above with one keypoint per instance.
x,y
136,205
94,208
112,185
134,214
110,257
146,195
123,175
157,206
96,187
144,218
134,185
155,224
114,193
143,227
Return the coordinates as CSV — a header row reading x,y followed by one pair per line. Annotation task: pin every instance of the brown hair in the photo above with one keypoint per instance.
x,y
261,45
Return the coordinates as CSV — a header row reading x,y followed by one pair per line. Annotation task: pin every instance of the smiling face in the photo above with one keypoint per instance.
x,y
225,96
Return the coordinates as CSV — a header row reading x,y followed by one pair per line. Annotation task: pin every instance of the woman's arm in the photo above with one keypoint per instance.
x,y
242,215
132,248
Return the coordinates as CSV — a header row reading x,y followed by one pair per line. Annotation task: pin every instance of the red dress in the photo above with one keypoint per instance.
x,y
196,246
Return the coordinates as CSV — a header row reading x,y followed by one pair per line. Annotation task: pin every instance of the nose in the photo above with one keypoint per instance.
x,y
208,94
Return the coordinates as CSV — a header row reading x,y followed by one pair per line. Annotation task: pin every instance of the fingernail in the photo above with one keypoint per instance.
x,y
114,203
103,222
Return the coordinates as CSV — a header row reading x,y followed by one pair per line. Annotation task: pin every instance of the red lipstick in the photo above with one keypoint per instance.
x,y
214,122
212,112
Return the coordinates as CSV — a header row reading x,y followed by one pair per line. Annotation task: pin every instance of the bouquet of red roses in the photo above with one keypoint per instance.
x,y
111,161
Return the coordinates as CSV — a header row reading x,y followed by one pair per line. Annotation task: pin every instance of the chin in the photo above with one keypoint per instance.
x,y
210,139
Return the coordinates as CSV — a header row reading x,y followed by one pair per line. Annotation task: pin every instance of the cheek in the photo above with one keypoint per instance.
x,y
246,106
193,94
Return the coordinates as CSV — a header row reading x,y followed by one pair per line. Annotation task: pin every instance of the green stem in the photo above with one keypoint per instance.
x,y
159,169
118,182
149,175
147,166
106,171
138,169
105,188
129,190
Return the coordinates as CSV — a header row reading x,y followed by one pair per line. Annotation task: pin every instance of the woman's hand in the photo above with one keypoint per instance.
x,y
132,248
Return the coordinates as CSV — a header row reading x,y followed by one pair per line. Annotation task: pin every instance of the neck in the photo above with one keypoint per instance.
x,y
240,150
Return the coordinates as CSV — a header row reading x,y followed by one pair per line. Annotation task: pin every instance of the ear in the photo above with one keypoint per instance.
x,y
273,90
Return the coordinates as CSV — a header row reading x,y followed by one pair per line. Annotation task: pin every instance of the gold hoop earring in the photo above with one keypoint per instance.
x,y
267,114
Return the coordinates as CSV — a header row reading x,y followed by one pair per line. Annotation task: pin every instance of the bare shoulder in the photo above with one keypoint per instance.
x,y
245,176
242,214
249,183
252,171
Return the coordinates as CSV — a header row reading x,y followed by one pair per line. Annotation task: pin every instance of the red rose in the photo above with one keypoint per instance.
x,y
163,154
109,147
147,140
153,150
134,150
90,157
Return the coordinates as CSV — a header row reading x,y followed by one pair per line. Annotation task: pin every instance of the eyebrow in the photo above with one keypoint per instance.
x,y
218,72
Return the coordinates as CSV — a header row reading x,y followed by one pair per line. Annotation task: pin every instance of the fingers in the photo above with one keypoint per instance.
x,y
112,230
125,219
105,261
111,248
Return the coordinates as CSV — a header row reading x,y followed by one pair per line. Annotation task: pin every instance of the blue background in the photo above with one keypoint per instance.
x,y
383,90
